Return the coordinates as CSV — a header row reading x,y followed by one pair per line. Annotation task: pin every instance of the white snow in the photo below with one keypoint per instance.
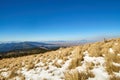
x,y
95,60
40,64
52,73
100,74
116,64
98,70
117,74
118,54
5,74
116,43
59,61
59,51
4,69
111,50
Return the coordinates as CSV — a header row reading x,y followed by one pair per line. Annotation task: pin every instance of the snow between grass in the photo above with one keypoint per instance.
x,y
52,73
98,70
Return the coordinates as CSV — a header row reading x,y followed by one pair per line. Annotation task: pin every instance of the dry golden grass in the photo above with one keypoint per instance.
x,y
30,66
12,75
65,58
95,50
115,77
116,48
110,68
112,58
47,67
75,53
77,57
90,66
57,64
75,63
84,47
75,75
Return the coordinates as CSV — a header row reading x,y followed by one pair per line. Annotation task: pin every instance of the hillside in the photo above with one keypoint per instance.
x,y
23,52
95,61
6,47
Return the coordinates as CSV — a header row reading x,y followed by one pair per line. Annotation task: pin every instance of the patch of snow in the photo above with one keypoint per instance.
x,y
116,43
111,50
100,74
40,64
81,68
116,64
67,63
59,61
85,53
23,63
95,60
117,74
4,69
52,73
118,54
103,55
5,74
59,51
99,71
88,59
73,52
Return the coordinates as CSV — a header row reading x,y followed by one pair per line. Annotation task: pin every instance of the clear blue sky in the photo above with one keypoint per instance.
x,y
34,20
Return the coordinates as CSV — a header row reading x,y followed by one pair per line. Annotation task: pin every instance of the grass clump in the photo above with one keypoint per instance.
x,y
95,50
75,63
115,77
75,75
110,68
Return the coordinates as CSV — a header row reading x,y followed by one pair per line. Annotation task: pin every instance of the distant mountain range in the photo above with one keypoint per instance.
x,y
10,46
5,47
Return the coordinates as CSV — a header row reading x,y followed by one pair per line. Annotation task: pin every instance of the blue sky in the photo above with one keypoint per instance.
x,y
36,20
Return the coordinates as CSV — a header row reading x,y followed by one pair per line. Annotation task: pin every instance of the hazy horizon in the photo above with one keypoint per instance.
x,y
52,20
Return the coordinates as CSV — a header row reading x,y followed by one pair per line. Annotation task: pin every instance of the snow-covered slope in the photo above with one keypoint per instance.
x,y
96,61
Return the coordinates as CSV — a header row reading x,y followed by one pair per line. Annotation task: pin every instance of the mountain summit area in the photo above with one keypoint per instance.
x,y
91,61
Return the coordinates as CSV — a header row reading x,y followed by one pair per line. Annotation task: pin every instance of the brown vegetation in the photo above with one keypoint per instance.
x,y
98,49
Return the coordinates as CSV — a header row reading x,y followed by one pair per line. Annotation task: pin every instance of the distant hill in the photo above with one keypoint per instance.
x,y
5,47
22,52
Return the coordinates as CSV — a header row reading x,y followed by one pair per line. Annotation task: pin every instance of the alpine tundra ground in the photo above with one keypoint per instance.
x,y
93,61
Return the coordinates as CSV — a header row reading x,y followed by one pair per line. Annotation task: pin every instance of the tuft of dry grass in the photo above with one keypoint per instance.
x,y
47,67
65,58
110,68
57,65
115,77
12,74
2,78
112,58
75,75
85,47
116,48
75,63
77,57
90,66
30,66
95,50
